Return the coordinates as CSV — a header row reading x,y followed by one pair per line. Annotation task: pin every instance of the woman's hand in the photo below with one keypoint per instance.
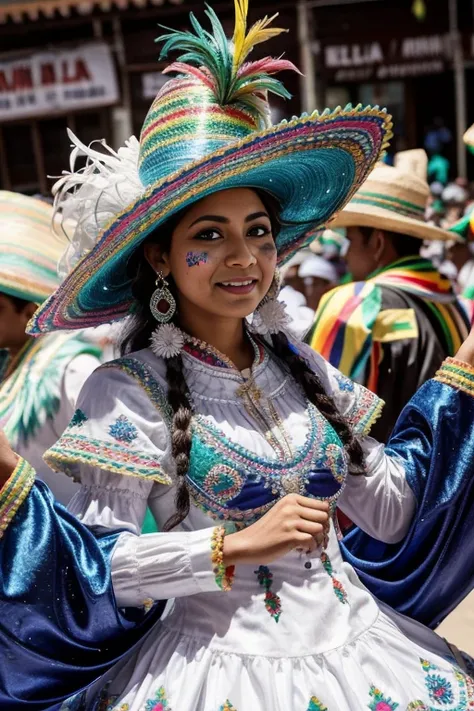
x,y
294,522
8,459
466,352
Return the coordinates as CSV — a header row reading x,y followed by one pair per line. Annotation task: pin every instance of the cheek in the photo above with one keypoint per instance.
x,y
195,259
192,270
267,257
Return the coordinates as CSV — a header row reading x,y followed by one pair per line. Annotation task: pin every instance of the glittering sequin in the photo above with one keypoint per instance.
x,y
272,600
227,706
123,430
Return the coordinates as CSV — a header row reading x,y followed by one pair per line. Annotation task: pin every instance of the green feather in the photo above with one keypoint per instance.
x,y
214,53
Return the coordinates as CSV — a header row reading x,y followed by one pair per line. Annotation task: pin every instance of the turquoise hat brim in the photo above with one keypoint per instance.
x,y
312,165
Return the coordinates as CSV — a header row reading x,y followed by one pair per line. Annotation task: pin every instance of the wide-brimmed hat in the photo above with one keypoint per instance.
x,y
394,199
208,130
29,251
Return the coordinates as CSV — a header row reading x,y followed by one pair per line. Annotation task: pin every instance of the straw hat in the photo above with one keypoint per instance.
x,y
208,130
394,199
29,251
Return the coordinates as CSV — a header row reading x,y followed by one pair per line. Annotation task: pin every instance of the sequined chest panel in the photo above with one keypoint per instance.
x,y
231,483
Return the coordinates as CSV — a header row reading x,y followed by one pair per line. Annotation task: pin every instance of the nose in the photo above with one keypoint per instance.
x,y
240,253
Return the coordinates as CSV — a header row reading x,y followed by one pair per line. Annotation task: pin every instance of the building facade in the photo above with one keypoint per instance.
x,y
378,52
93,67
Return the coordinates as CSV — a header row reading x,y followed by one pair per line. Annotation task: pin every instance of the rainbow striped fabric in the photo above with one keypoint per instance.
x,y
29,251
350,325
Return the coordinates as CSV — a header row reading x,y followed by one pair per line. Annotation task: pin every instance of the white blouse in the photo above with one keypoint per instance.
x,y
119,446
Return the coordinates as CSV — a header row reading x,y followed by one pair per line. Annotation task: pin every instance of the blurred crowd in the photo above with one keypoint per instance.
x,y
314,271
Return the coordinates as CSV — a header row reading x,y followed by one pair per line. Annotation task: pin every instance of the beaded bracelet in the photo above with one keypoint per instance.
x,y
224,576
458,374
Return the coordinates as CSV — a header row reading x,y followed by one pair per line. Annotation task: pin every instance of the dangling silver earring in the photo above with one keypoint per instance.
x,y
162,302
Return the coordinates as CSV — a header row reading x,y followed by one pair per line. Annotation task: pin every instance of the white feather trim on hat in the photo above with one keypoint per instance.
x,y
91,196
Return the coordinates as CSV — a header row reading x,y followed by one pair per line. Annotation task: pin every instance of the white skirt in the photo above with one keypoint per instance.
x,y
383,669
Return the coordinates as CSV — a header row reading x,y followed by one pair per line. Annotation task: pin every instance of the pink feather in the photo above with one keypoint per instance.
x,y
200,74
267,65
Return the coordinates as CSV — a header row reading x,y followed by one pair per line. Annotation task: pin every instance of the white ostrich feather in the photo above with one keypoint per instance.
x,y
88,198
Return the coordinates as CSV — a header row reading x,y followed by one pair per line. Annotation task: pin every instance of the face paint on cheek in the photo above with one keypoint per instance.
x,y
268,249
193,259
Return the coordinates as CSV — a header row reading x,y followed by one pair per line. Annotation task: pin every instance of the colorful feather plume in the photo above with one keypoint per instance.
x,y
220,63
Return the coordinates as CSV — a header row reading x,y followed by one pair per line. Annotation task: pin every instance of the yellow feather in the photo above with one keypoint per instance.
x,y
241,12
259,33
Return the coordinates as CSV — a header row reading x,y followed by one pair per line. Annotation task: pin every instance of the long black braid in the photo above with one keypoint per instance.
x,y
316,394
140,327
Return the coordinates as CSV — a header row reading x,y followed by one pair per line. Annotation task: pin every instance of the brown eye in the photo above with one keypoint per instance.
x,y
259,231
209,235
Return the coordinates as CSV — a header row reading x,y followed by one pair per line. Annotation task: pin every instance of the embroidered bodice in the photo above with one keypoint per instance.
x,y
255,438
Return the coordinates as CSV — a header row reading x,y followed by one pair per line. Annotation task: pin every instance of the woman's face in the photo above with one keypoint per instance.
x,y
222,256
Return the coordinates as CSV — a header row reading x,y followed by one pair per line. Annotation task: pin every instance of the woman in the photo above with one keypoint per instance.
x,y
240,440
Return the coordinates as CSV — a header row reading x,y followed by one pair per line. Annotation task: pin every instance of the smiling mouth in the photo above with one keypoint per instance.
x,y
238,286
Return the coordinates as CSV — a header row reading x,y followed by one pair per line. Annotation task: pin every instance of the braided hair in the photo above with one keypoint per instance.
x,y
140,327
314,390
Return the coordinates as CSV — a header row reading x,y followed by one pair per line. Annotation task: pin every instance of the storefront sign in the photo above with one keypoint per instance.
x,y
57,81
152,83
386,59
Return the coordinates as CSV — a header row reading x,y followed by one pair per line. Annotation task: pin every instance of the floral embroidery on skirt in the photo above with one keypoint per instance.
x,y
159,702
272,600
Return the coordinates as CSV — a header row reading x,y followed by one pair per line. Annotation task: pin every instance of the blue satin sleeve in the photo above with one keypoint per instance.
x,y
431,570
60,628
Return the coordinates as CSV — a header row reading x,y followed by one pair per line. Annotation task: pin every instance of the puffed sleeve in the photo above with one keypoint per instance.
x,y
118,444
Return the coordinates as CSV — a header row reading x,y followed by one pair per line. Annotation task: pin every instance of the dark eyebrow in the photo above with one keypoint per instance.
x,y
224,221
211,218
255,216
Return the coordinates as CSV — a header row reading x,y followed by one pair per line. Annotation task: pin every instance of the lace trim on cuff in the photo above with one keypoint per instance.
x,y
458,374
14,492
